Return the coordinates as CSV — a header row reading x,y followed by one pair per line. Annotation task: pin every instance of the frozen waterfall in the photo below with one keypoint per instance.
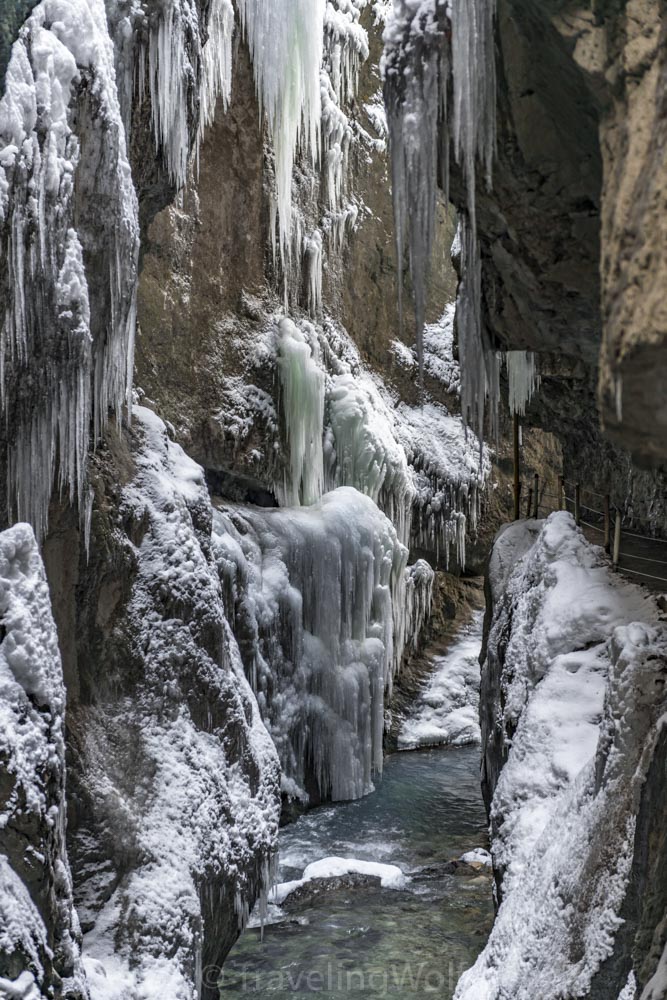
x,y
310,593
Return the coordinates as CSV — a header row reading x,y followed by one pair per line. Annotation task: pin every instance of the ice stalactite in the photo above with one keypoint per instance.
x,y
474,139
172,81
474,89
285,38
524,379
416,70
61,359
302,394
313,594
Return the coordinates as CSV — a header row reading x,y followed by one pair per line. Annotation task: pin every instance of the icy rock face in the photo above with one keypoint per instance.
x,y
67,207
176,776
315,595
571,695
39,930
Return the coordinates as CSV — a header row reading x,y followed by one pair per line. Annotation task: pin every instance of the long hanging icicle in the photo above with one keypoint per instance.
x,y
474,137
416,69
285,38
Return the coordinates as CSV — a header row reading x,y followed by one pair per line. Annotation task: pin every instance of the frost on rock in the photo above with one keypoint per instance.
x,y
64,353
180,772
39,931
574,658
312,593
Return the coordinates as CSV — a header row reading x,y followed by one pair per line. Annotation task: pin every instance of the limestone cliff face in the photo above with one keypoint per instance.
x,y
571,234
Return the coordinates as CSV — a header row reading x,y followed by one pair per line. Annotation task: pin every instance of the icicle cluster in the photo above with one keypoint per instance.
x,y
480,365
62,360
285,38
524,379
312,604
415,69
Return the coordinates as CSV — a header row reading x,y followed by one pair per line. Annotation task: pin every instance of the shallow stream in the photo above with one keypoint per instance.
x,y
350,937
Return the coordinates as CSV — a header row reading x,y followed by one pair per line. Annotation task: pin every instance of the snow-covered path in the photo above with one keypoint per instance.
x,y
447,710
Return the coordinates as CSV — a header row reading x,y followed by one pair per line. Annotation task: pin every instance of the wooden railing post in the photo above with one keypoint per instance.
x,y
617,540
577,503
536,497
607,523
561,493
517,473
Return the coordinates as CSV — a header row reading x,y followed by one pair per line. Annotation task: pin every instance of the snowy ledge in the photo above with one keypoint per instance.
x,y
575,659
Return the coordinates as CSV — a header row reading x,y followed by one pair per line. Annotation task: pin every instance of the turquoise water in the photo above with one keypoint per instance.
x,y
364,941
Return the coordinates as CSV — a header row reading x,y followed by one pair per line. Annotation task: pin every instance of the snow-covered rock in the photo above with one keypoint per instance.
x,y
39,930
176,778
572,695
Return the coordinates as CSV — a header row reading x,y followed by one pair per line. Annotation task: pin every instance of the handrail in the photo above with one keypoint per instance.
x,y
611,527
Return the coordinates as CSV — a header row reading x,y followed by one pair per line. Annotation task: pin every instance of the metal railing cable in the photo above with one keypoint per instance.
x,y
610,527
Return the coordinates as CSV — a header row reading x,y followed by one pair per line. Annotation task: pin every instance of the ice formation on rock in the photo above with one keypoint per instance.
x,y
524,379
39,931
302,397
312,595
49,315
571,714
343,429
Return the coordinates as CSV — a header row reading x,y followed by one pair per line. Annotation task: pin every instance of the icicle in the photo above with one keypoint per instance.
x,y
302,392
524,379
285,38
415,69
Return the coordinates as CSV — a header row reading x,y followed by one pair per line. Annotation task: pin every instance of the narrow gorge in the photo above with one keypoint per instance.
x,y
333,533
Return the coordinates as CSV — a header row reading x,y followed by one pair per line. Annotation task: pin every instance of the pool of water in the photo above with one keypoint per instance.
x,y
368,941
